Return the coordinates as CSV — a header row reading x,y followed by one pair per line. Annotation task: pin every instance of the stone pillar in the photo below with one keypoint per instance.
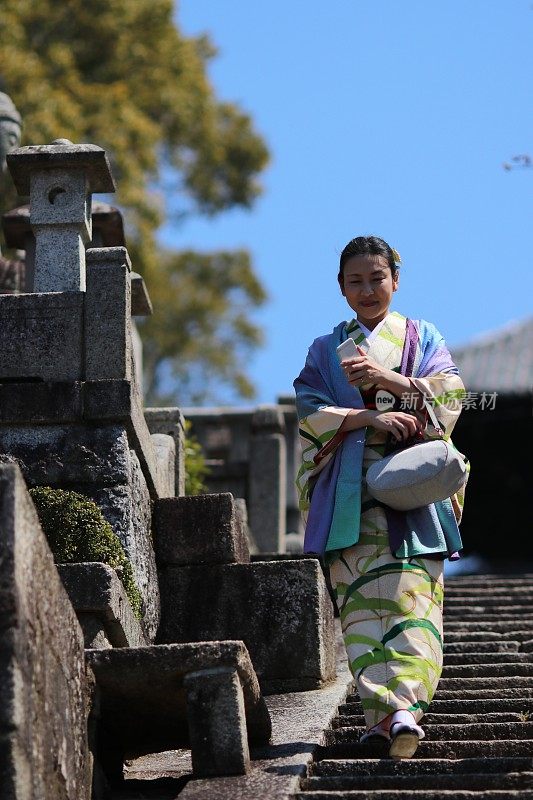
x,y
165,456
217,722
171,422
60,179
267,480
295,524
108,341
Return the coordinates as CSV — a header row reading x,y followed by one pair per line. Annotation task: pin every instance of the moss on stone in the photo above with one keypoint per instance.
x,y
77,531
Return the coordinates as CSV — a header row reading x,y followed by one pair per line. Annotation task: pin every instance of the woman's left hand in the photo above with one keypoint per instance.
x,y
361,369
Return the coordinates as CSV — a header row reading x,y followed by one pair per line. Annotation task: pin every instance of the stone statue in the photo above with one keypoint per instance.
x,y
11,271
10,128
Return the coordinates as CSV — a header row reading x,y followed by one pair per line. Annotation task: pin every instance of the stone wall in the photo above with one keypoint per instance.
x,y
72,417
44,693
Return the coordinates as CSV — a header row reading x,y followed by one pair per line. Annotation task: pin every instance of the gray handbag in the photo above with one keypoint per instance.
x,y
417,476
422,473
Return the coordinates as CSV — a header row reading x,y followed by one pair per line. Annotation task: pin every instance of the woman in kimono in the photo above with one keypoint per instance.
x,y
386,567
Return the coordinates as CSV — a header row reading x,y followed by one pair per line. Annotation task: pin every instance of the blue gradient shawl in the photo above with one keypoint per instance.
x,y
334,493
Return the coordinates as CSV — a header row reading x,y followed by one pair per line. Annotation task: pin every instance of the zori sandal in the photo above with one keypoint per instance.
x,y
374,737
404,740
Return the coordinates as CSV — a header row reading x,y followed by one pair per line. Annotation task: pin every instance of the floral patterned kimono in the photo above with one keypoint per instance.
x,y
386,567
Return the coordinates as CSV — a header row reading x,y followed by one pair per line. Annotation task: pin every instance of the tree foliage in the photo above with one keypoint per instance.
x,y
119,73
196,468
207,298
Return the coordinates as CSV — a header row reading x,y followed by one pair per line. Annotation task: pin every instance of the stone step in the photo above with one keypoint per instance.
x,y
418,783
467,582
491,605
101,605
483,694
479,737
511,693
479,706
490,682
168,697
432,718
199,529
428,766
501,748
486,636
492,579
502,646
472,658
437,732
407,794
521,705
480,625
487,613
504,670
514,590
489,601
500,588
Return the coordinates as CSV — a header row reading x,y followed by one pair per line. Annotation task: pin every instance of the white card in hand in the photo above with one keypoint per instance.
x,y
347,350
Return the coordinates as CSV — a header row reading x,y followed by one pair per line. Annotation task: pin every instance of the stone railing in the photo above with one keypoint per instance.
x,y
254,454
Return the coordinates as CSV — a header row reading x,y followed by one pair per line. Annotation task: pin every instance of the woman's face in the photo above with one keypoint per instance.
x,y
368,286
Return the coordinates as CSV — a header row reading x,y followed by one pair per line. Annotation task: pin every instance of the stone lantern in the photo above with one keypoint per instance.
x,y
59,179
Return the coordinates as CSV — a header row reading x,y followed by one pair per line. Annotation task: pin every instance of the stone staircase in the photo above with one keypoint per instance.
x,y
479,727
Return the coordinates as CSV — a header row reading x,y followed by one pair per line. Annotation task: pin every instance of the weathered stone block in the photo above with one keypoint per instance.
x,y
268,480
98,462
108,343
144,706
128,509
280,609
241,509
41,336
60,217
54,274
43,688
107,400
95,590
141,305
94,631
63,455
137,357
115,400
165,455
39,403
170,421
141,441
217,723
201,529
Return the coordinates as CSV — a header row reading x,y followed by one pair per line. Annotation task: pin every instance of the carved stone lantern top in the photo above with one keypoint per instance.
x,y
88,158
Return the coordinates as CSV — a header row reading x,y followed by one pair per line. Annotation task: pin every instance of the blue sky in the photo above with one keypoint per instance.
x,y
383,117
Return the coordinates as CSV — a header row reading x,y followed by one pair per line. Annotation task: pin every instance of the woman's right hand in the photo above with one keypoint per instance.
x,y
401,425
